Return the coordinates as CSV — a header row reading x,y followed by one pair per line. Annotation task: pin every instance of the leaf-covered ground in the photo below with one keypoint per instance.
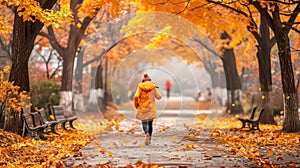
x,y
269,148
16,151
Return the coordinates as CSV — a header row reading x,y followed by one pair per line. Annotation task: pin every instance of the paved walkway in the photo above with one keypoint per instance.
x,y
171,147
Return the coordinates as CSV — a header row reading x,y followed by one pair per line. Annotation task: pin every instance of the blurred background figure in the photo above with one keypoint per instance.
x,y
168,86
198,95
208,96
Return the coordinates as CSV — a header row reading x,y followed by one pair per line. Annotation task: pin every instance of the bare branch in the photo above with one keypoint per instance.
x,y
206,47
290,2
53,41
185,7
199,7
228,7
59,65
294,49
295,29
265,14
293,16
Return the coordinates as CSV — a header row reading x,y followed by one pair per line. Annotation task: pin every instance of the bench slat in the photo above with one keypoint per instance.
x,y
59,115
29,122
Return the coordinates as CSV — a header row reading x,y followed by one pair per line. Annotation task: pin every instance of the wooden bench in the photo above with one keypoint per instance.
x,y
58,113
44,119
254,124
33,127
244,120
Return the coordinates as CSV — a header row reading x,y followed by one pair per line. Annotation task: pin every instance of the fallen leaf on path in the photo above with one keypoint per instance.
x,y
134,142
110,153
190,146
102,150
207,157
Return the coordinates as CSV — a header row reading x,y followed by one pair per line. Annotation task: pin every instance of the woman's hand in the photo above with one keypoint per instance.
x,y
137,105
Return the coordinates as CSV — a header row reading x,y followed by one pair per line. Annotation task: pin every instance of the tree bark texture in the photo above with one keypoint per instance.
x,y
24,34
291,115
99,86
79,71
234,88
264,65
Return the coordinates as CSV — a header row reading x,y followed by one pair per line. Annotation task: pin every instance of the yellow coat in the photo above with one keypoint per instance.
x,y
144,100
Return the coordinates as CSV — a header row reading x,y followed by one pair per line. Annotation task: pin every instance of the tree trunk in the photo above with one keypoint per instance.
x,y
291,115
75,36
79,71
93,96
265,79
266,86
67,77
234,88
13,122
24,34
290,98
99,87
218,83
22,45
78,96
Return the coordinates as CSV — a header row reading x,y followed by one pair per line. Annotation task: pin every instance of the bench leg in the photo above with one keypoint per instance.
x,y
71,124
243,126
46,131
41,136
53,129
63,125
31,134
254,126
257,127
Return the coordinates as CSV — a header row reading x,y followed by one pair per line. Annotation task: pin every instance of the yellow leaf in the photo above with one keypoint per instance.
x,y
269,153
109,153
96,143
51,117
102,150
192,135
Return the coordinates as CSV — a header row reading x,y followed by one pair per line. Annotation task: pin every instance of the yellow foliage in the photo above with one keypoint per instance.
x,y
10,97
4,27
159,37
31,10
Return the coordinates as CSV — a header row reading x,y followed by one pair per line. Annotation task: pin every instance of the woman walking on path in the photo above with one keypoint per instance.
x,y
144,101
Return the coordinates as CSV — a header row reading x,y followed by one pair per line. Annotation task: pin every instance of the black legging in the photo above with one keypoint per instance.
x,y
147,126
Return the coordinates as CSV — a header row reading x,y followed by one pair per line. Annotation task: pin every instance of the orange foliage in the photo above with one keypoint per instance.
x,y
27,152
261,147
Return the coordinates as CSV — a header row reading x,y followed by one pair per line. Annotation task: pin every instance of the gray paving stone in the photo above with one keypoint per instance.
x,y
167,149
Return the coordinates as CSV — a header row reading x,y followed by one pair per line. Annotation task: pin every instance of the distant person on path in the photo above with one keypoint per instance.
x,y
208,97
144,101
168,85
198,95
